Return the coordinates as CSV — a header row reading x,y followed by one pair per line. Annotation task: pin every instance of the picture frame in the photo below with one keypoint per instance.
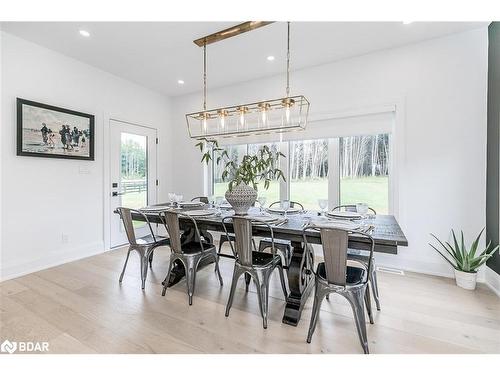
x,y
53,132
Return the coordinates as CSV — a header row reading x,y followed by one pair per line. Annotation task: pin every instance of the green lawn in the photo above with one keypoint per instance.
x,y
134,199
371,190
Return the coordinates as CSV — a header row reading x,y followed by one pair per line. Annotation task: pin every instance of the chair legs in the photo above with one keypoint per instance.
x,y
368,303
190,264
236,275
151,260
167,278
261,280
145,258
125,265
357,299
221,242
319,293
144,270
262,285
248,278
217,269
374,282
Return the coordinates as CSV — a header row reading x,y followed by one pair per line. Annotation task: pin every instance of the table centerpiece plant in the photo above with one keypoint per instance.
x,y
465,261
243,177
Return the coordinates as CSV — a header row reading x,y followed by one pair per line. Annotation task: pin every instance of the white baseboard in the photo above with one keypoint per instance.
x,y
24,267
492,279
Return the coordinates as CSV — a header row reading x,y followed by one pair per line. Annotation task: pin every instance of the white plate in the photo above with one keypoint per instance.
x,y
199,212
344,214
345,225
265,218
155,208
280,210
226,206
191,204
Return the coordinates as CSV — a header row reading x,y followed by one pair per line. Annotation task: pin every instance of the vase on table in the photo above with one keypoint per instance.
x,y
241,198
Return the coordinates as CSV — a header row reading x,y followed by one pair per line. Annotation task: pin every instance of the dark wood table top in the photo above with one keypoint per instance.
x,y
386,233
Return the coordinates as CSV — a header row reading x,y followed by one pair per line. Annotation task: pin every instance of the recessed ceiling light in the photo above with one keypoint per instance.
x,y
84,33
180,82
407,22
270,58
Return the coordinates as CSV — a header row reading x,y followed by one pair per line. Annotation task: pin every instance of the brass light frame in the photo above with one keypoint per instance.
x,y
287,104
230,32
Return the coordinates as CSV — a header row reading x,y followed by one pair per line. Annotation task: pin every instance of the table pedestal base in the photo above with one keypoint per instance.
x,y
300,281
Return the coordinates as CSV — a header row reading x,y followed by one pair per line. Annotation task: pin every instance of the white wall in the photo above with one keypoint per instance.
x,y
439,88
43,198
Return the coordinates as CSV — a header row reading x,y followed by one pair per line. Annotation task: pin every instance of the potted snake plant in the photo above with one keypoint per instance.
x,y
465,261
244,177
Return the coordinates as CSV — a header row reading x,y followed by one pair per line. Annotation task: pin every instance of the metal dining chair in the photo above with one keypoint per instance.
x,y
362,258
189,254
144,246
335,276
283,246
259,266
200,199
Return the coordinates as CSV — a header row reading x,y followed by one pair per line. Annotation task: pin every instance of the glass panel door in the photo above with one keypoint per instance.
x,y
133,174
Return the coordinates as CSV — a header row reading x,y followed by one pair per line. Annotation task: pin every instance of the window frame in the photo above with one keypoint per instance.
x,y
334,179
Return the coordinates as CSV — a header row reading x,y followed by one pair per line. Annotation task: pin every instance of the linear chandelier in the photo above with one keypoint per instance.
x,y
269,116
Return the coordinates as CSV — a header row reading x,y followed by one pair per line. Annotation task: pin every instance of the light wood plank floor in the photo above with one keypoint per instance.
x,y
80,307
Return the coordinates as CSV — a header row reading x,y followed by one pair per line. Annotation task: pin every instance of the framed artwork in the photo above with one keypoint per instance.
x,y
52,132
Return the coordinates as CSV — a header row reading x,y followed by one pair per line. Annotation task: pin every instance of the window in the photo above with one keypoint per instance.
x,y
236,153
272,194
309,172
345,170
364,171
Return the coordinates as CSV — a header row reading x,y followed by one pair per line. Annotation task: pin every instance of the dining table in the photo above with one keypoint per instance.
x,y
384,229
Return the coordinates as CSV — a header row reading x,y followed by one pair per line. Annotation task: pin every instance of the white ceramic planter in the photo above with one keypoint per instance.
x,y
466,280
241,198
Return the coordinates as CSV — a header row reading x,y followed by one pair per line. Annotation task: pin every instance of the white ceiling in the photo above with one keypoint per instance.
x,y
157,54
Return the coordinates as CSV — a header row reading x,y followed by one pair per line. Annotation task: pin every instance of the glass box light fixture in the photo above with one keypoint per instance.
x,y
269,116
277,115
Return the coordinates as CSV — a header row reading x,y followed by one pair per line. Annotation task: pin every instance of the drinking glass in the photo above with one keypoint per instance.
x,y
178,199
285,205
262,202
218,202
171,198
362,208
323,204
211,201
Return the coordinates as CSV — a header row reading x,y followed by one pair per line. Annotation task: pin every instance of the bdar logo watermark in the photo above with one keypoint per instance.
x,y
8,347
24,346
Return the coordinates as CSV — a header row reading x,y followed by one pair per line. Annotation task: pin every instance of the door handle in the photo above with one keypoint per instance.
x,y
115,194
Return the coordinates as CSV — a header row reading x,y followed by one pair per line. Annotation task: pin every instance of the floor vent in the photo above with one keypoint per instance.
x,y
394,271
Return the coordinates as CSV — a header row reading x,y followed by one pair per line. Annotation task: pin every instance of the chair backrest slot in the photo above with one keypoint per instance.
x,y
243,240
128,224
243,233
171,221
334,243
